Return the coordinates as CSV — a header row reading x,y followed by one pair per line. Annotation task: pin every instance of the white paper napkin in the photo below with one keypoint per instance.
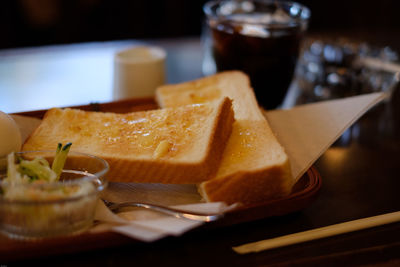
x,y
146,225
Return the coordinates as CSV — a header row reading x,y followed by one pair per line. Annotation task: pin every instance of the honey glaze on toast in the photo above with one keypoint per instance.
x,y
172,145
254,166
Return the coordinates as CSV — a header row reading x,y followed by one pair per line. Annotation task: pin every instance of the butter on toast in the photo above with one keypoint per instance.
x,y
254,166
173,145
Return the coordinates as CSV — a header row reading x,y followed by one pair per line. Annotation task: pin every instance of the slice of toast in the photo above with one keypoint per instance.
x,y
254,166
174,145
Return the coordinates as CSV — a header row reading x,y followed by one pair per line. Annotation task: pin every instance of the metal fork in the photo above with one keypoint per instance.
x,y
204,217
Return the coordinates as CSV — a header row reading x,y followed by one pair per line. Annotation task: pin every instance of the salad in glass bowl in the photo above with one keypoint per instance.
x,y
49,193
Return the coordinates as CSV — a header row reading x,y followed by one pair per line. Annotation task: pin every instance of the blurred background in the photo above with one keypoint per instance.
x,y
339,32
45,22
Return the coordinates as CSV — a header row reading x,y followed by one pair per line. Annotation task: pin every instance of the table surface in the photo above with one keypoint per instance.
x,y
360,172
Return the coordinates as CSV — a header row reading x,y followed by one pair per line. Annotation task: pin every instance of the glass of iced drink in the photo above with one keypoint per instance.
x,y
260,38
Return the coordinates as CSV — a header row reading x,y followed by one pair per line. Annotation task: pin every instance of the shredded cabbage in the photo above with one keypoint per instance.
x,y
37,171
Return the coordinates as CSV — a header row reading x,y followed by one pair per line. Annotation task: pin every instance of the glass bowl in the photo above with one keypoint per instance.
x,y
49,209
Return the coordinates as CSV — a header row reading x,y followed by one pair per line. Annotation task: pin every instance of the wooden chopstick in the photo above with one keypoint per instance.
x,y
318,233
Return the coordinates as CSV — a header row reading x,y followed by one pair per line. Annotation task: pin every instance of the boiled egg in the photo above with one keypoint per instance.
x,y
10,135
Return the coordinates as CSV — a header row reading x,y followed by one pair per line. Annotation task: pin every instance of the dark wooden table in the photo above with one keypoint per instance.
x,y
360,172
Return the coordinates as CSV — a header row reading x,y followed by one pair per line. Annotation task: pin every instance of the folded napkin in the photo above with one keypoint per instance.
x,y
147,225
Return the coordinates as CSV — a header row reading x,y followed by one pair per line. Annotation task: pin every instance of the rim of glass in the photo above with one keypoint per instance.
x,y
210,13
90,178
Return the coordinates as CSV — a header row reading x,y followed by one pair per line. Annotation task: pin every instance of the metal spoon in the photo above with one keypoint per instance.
x,y
204,217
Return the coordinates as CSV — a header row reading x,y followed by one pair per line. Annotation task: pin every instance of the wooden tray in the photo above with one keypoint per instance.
x,y
304,192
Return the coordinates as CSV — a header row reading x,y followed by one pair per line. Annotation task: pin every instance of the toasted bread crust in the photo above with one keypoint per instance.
x,y
180,145
254,165
248,186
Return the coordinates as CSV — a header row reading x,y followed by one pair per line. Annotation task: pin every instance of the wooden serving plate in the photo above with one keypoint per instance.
x,y
304,192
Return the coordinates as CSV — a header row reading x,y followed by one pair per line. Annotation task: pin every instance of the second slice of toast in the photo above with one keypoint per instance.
x,y
173,145
254,166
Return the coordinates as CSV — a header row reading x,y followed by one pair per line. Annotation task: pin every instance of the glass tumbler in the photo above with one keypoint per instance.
x,y
259,37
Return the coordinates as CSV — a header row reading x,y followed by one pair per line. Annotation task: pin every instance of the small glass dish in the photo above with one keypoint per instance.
x,y
49,209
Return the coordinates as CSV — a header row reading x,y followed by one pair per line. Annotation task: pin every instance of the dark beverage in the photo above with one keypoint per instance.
x,y
269,61
260,38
